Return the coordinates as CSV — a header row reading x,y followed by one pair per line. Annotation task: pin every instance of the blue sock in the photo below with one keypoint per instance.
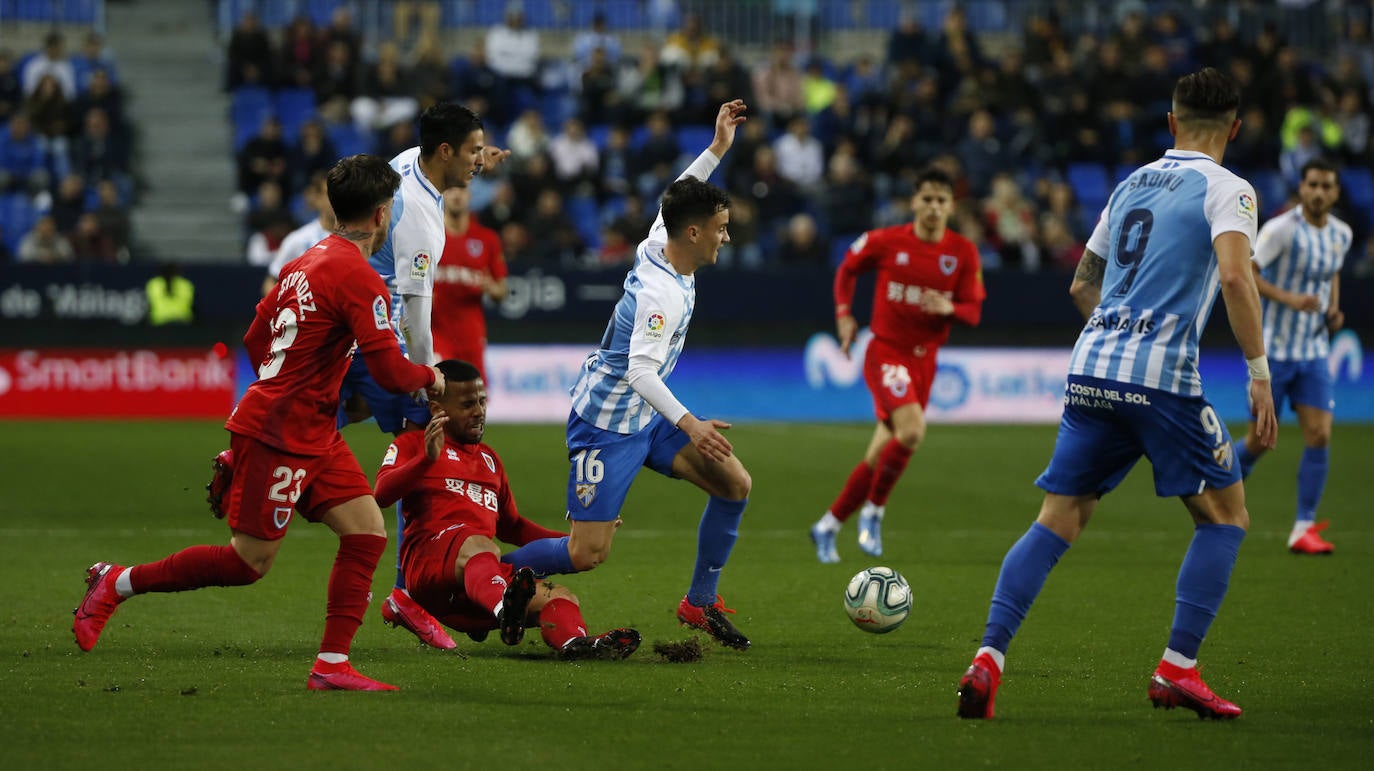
x,y
400,536
544,556
1024,570
1311,481
715,538
1245,458
1202,582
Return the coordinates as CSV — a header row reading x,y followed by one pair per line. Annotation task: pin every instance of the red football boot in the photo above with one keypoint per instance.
x,y
1311,541
978,688
342,677
398,609
223,466
98,605
1172,686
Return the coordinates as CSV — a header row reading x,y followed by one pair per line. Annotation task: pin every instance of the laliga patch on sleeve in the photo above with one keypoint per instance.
x,y
1245,206
390,458
859,243
653,327
419,266
379,312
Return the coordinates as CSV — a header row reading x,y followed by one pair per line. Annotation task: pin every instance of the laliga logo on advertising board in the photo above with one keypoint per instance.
x,y
825,362
1345,349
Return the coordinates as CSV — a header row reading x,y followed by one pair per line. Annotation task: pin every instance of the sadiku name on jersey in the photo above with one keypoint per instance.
x,y
1102,398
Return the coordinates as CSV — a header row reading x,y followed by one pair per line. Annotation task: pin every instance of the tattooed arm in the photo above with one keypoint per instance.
x,y
1086,288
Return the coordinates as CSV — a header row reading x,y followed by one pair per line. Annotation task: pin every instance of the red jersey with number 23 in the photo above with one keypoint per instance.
x,y
300,340
908,267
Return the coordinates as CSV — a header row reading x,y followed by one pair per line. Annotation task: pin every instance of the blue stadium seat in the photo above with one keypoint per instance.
x,y
694,139
487,12
600,134
837,14
319,11
248,108
585,217
623,14
884,14
839,244
1358,186
1090,184
294,106
17,215
1270,188
348,139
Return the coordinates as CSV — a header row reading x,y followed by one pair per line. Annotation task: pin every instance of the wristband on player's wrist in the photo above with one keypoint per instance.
x,y
841,311
1258,367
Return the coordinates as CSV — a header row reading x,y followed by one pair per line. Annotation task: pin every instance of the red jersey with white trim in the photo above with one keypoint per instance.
x,y
466,486
301,337
907,268
468,259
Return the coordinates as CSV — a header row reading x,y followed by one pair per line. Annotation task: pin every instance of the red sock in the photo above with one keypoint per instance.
x,y
560,621
350,589
482,580
193,568
855,489
891,463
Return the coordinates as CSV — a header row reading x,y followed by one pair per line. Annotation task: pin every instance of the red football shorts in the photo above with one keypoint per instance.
x,y
269,484
430,579
898,376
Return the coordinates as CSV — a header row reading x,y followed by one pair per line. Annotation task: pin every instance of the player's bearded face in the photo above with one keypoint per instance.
x,y
465,403
1318,191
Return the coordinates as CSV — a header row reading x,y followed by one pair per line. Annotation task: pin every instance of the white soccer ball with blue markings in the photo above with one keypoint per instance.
x,y
877,600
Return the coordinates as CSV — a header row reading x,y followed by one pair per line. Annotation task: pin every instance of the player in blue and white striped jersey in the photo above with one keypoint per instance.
x,y
1173,232
624,417
1298,261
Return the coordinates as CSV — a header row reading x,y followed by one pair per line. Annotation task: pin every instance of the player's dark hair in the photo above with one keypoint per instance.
x,y
1319,164
934,176
446,123
1206,96
458,371
358,184
689,200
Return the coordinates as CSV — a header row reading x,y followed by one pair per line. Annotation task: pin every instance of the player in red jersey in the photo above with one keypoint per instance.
x,y
471,267
928,278
288,453
457,501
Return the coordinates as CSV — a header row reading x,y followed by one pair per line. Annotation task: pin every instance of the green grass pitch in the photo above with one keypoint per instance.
x,y
216,678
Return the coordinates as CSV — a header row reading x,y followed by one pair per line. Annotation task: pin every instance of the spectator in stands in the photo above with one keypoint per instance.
x,y
691,47
957,43
778,87
90,243
429,73
299,54
44,244
660,146
847,199
1222,45
11,93
1010,220
527,138
818,89
512,50
837,121
52,60
313,152
97,153
94,57
399,138
102,92
745,249
908,42
898,153
264,157
385,97
532,177
598,100
23,161
967,223
775,197
474,78
725,79
649,83
335,81
113,216
412,17
1057,243
575,159
557,242
268,223
1056,197
69,203
801,160
1042,39
1306,148
342,30
801,245
598,38
250,59
1256,145
1353,119
502,208
50,114
617,164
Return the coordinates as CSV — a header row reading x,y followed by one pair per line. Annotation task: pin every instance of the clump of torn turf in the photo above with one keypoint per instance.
x,y
680,651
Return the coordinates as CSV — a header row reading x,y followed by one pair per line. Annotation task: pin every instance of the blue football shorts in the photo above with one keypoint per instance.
x,y
391,410
603,464
1306,382
1108,425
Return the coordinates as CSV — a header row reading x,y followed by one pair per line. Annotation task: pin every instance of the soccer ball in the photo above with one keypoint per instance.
x,y
877,600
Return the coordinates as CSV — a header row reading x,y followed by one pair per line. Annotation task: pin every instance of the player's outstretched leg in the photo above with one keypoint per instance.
x,y
1306,538
1174,686
851,496
978,686
349,593
515,602
223,467
98,605
711,619
615,644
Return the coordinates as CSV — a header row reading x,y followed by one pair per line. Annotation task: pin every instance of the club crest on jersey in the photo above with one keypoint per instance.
x,y
586,493
419,266
948,264
452,453
653,328
280,516
903,258
379,314
491,462
1222,455
1245,206
474,247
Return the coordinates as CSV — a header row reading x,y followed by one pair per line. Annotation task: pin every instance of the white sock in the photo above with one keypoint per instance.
x,y
1172,656
829,523
123,585
1300,528
333,658
873,510
497,610
999,658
